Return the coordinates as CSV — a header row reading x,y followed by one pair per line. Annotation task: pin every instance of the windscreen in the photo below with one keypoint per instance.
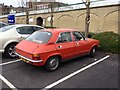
x,y
40,37
6,28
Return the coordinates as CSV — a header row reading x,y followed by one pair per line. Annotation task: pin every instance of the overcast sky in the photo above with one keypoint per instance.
x,y
15,2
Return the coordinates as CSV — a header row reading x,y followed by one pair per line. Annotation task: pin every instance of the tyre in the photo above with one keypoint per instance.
x,y
52,64
10,51
93,52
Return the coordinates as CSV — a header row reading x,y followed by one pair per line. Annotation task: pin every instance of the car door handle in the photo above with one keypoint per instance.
x,y
60,46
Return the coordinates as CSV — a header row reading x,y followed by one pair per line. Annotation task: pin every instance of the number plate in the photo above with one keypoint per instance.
x,y
24,60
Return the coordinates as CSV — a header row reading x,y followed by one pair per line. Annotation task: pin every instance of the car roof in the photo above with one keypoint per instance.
x,y
60,30
17,25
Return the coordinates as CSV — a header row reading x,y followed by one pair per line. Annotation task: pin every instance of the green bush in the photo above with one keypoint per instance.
x,y
109,41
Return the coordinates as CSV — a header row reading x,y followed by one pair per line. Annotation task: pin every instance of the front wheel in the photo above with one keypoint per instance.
x,y
52,64
93,52
10,50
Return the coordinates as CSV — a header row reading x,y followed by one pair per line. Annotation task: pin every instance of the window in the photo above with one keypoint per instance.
x,y
37,28
77,36
25,30
64,37
2,25
6,28
40,37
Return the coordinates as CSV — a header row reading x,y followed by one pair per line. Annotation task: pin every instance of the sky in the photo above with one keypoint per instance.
x,y
15,2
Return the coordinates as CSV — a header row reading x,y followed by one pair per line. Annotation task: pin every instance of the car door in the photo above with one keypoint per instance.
x,y
81,45
24,31
65,45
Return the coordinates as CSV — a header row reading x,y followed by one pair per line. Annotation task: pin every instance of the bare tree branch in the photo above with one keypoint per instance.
x,y
84,2
19,4
22,3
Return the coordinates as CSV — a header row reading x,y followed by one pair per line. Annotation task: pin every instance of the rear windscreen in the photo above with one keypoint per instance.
x,y
40,36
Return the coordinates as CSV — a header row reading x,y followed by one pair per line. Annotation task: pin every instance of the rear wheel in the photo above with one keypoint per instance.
x,y
52,63
10,50
93,52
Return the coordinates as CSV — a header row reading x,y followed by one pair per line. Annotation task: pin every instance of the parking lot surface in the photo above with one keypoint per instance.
x,y
82,72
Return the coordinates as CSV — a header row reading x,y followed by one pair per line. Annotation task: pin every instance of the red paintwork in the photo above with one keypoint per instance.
x,y
69,49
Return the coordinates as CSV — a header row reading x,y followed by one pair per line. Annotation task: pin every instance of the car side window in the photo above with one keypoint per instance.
x,y
64,37
25,30
77,36
2,25
37,28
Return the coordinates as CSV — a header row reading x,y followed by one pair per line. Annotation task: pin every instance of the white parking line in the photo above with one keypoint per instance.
x,y
9,62
7,82
74,73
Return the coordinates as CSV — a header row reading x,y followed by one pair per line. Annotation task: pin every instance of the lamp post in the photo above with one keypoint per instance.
x,y
87,19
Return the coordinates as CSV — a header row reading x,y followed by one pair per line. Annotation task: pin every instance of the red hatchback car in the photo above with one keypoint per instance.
x,y
49,47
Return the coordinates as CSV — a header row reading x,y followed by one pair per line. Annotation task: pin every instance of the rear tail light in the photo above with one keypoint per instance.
x,y
36,56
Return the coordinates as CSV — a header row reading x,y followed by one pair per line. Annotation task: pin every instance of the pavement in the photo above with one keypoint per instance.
x,y
100,72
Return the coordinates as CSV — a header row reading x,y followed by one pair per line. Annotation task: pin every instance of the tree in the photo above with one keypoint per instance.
x,y
52,10
51,13
23,4
87,19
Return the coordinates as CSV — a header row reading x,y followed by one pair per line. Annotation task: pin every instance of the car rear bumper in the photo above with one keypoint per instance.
x,y
1,51
30,60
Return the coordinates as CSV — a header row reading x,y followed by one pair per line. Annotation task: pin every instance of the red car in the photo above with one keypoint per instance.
x,y
49,47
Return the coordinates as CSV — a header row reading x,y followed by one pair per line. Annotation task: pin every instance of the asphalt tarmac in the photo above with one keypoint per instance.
x,y
100,72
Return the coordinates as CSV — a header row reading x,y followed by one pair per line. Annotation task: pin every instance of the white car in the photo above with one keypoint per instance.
x,y
2,24
12,35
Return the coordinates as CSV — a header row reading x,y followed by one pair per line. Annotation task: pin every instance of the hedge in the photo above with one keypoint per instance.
x,y
109,41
